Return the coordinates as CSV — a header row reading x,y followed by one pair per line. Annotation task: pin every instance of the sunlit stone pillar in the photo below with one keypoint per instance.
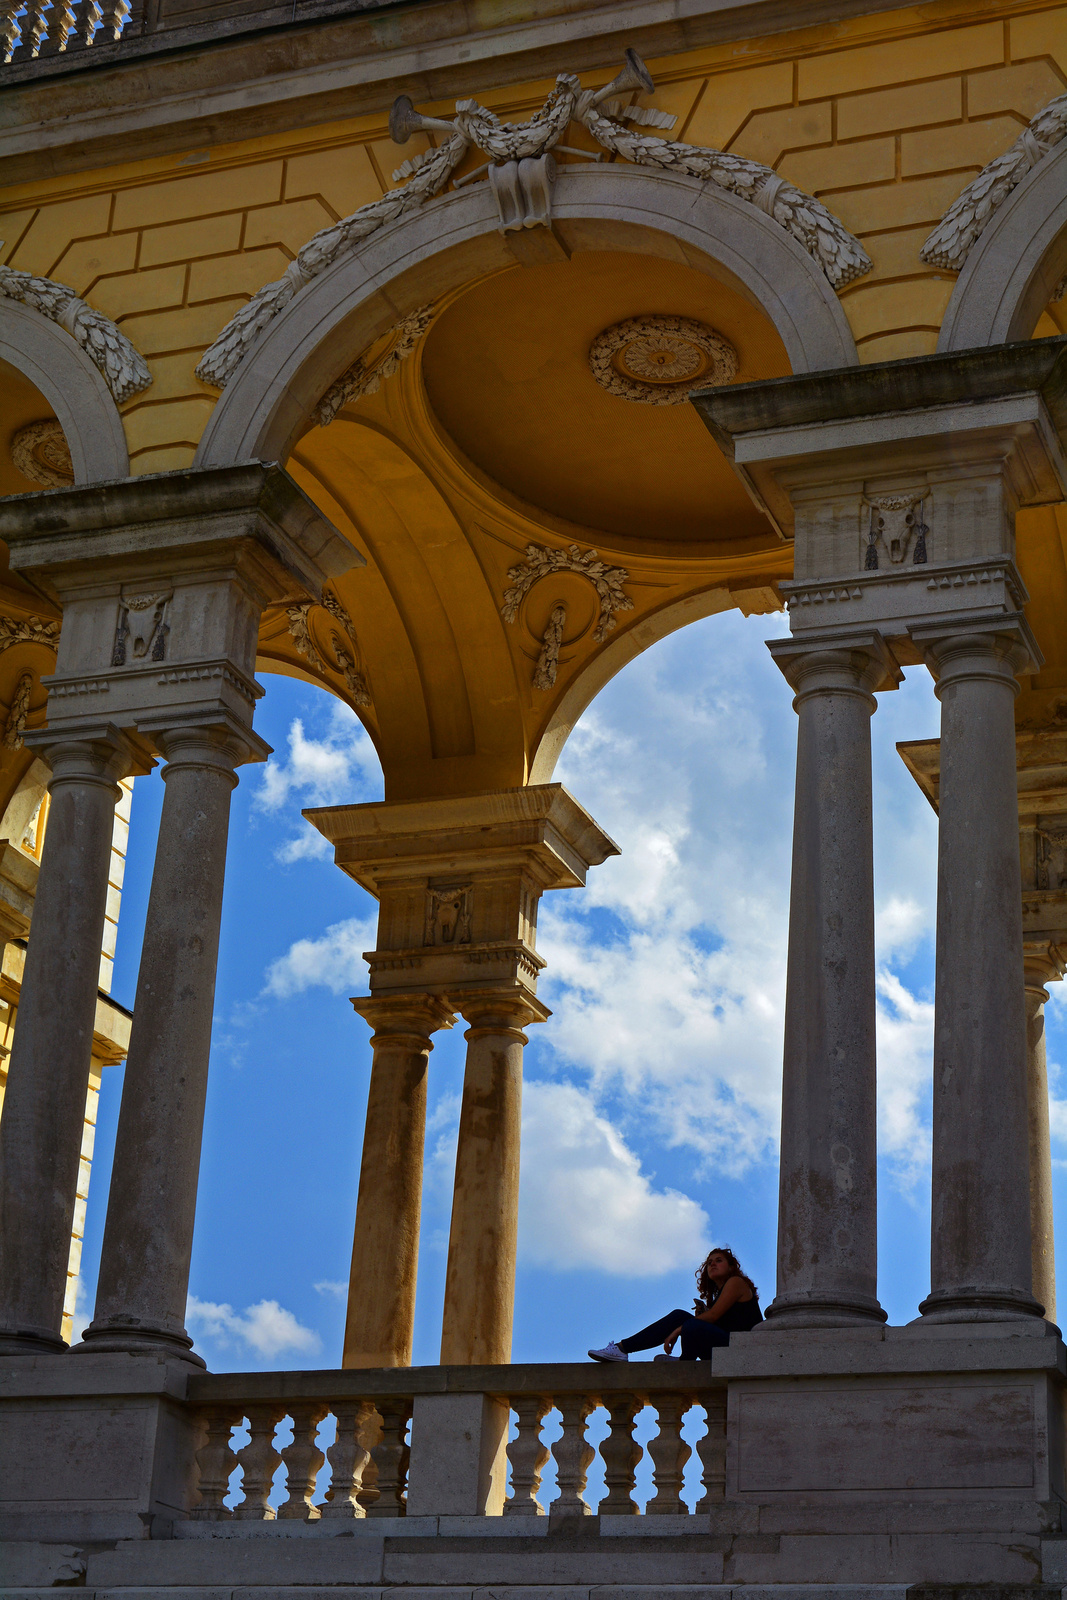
x,y
827,1227
480,1280
148,1236
981,1241
380,1325
48,1075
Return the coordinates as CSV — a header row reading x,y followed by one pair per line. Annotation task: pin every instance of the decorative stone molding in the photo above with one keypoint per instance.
x,y
141,618
548,661
951,241
28,630
41,453
362,378
539,562
448,915
15,726
346,655
840,256
123,368
894,519
656,360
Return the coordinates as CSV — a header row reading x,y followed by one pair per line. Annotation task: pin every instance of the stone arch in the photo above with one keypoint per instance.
x,y
74,388
1015,265
453,241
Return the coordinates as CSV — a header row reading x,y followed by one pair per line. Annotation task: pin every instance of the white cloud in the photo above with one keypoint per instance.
x,y
332,1290
585,1203
341,766
334,961
267,1328
905,1029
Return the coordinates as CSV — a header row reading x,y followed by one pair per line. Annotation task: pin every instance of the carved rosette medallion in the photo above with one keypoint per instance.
x,y
657,360
41,453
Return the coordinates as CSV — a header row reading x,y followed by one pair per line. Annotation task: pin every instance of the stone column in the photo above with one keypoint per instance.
x,y
480,1279
981,1247
380,1326
1040,967
148,1236
48,1076
827,1224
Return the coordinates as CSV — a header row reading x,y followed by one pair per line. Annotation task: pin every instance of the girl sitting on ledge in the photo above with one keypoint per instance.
x,y
729,1303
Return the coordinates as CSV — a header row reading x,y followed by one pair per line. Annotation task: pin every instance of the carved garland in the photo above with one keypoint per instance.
x,y
954,237
346,651
361,379
840,256
539,562
41,453
15,726
123,367
28,630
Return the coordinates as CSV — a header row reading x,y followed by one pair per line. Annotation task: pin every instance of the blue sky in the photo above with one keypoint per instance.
x,y
651,1104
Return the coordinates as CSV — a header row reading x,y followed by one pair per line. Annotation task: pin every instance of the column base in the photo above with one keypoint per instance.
x,y
135,1341
786,1312
31,1342
975,1303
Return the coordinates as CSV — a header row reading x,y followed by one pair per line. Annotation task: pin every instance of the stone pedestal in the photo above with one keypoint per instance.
x,y
458,882
380,1325
48,1074
827,1223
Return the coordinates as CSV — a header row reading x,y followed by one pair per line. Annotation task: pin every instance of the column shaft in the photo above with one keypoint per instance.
x,y
380,1326
480,1278
48,1075
980,1247
1042,1239
827,1228
148,1235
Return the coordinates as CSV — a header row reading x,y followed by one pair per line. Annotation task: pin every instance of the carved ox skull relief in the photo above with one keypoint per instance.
x,y
142,631
448,916
895,518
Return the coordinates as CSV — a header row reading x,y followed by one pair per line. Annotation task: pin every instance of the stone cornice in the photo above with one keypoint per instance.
x,y
245,77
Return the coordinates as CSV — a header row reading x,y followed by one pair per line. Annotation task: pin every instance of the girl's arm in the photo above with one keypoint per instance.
x,y
728,1296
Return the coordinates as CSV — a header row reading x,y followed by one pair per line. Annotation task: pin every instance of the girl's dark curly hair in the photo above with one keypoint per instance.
x,y
707,1288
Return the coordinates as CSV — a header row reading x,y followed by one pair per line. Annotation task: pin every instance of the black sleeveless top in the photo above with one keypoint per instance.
x,y
741,1317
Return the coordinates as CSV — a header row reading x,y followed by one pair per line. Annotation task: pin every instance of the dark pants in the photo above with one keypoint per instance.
x,y
698,1339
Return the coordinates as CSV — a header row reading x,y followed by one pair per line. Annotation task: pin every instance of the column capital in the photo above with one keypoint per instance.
x,y
997,650
222,746
98,755
1043,963
832,663
499,1011
405,1017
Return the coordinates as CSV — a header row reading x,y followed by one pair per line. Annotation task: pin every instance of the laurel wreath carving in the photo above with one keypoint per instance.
x,y
539,562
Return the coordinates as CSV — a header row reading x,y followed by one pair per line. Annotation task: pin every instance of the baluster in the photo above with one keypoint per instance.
x,y
9,28
113,14
260,1461
712,1452
216,1462
370,1433
349,1460
58,23
390,1456
303,1458
86,17
572,1456
527,1455
31,24
669,1453
621,1454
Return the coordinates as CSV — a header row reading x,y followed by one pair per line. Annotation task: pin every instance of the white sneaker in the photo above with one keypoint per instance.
x,y
610,1352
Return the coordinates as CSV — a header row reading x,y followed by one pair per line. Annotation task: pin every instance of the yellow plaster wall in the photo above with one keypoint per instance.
x,y
885,118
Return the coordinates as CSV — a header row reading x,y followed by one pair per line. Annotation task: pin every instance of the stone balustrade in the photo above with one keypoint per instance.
x,y
439,1441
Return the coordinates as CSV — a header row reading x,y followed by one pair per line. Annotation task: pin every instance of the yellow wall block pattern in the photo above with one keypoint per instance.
x,y
173,376
189,328
731,97
182,421
131,292
13,225
291,225
1040,35
968,144
229,275
900,60
768,133
177,199
895,205
54,227
841,166
172,459
184,241
83,263
1024,89
898,346
920,302
344,178
896,254
913,105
